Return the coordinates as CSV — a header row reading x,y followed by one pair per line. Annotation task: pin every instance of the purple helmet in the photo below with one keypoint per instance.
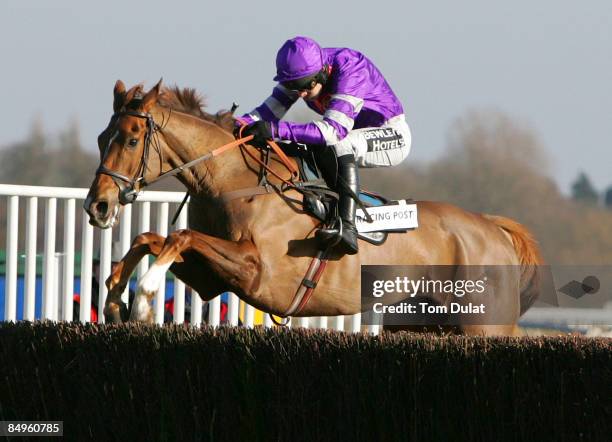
x,y
298,58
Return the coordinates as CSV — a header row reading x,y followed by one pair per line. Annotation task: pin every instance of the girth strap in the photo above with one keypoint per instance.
x,y
308,284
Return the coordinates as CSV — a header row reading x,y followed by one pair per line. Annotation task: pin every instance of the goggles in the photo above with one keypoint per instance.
x,y
301,84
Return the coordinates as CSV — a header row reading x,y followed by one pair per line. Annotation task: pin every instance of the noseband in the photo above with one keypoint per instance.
x,y
127,186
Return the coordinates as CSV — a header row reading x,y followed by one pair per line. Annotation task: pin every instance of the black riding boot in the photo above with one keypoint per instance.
x,y
348,178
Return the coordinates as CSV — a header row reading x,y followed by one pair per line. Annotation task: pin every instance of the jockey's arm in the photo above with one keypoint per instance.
x,y
338,121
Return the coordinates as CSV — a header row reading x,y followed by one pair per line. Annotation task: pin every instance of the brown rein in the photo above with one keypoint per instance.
x,y
279,152
239,142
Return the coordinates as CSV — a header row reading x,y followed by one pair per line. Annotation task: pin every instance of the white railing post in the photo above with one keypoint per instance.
x,y
144,225
29,296
214,307
179,286
160,296
355,326
249,315
196,309
49,295
320,322
373,329
300,322
267,322
337,323
68,279
376,327
106,247
12,236
57,287
233,309
125,238
86,261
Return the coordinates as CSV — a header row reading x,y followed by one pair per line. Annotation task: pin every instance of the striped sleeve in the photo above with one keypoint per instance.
x,y
308,133
339,118
274,107
338,121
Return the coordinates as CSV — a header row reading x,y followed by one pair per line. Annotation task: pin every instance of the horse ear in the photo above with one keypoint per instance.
x,y
119,93
150,99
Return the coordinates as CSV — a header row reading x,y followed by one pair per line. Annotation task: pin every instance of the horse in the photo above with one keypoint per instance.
x,y
260,246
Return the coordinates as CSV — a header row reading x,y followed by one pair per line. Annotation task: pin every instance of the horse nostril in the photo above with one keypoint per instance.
x,y
101,208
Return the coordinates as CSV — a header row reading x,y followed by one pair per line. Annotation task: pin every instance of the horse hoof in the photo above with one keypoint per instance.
x,y
113,314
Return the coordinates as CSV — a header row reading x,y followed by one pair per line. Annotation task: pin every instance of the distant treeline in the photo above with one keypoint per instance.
x,y
492,164
498,166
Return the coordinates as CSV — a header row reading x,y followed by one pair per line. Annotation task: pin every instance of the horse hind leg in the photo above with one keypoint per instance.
x,y
115,310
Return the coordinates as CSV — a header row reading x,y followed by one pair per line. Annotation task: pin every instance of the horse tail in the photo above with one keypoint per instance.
x,y
529,255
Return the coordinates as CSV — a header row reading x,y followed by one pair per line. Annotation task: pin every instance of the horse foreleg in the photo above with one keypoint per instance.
x,y
236,263
144,244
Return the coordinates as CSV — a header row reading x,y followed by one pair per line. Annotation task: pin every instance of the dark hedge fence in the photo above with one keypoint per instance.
x,y
132,383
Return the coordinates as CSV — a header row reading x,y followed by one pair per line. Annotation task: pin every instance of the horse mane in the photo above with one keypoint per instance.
x,y
189,101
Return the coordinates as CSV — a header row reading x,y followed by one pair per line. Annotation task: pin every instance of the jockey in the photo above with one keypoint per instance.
x,y
363,120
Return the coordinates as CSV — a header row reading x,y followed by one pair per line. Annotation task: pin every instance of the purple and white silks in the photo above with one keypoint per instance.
x,y
356,96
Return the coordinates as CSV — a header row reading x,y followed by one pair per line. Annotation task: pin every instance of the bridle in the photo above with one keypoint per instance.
x,y
127,186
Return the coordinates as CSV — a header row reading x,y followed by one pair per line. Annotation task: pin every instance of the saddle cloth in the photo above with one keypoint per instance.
x,y
387,215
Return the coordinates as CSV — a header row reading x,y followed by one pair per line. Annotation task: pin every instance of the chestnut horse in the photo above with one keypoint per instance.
x,y
260,247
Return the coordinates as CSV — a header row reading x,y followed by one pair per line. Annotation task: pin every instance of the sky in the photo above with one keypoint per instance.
x,y
544,62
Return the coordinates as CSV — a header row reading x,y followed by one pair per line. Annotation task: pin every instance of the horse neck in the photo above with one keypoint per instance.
x,y
188,137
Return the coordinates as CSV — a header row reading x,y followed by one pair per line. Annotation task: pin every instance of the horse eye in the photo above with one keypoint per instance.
x,y
133,142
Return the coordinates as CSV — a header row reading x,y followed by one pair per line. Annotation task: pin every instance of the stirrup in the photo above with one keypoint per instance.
x,y
337,238
338,235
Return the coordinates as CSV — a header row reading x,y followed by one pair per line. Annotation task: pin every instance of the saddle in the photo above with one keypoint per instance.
x,y
318,168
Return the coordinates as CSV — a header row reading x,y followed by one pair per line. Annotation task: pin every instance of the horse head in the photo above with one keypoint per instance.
x,y
125,147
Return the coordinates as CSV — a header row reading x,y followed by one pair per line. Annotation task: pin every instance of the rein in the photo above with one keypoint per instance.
x,y
128,193
279,152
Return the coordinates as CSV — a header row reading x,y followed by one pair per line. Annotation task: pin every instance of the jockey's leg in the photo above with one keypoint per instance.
x,y
347,185
383,146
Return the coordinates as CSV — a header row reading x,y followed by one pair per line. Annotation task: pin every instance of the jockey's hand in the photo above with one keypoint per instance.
x,y
261,131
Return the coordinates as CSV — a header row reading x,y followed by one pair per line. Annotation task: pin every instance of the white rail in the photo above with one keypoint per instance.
x,y
63,206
